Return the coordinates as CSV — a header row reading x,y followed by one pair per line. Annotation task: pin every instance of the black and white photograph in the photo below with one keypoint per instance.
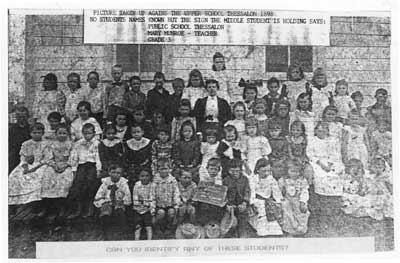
x,y
237,130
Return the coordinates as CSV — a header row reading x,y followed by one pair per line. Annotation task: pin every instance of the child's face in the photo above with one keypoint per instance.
x,y
273,88
296,131
235,172
252,130
274,133
110,134
382,127
239,113
230,136
115,174
184,110
164,171
341,90
263,172
186,178
321,132
73,82
196,81
295,74
21,116
93,80
36,135
62,134
212,89
159,82
138,116
53,123
120,120
330,116
178,87
211,139
358,101
49,84
259,108
379,167
144,177
283,110
116,73
135,84
293,172
187,132
219,63
320,80
380,98
304,103
163,136
250,95
355,171
83,113
158,118
88,134
213,170
137,133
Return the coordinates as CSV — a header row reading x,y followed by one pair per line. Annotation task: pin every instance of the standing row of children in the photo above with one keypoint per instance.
x,y
300,141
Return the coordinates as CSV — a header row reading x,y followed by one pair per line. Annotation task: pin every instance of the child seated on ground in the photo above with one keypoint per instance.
x,y
167,196
295,212
144,205
187,189
112,198
238,196
213,172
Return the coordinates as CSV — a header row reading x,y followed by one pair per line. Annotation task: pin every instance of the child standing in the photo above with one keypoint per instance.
x,y
112,198
259,110
267,197
84,111
342,100
166,194
273,96
355,143
24,182
134,98
358,99
74,95
139,119
329,115
381,141
161,148
238,196
86,167
319,91
195,88
250,94
239,112
381,109
138,154
115,92
279,150
229,148
122,127
178,86
111,149
281,115
255,146
186,151
96,96
183,115
187,189
208,149
294,205
158,123
305,114
144,205
295,84
57,176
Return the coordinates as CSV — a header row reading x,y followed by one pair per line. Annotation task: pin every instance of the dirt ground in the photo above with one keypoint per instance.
x,y
23,236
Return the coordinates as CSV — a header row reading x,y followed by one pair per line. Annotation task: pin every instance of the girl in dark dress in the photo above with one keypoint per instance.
x,y
111,149
229,148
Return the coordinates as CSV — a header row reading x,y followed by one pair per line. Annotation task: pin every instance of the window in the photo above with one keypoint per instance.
x,y
279,58
140,58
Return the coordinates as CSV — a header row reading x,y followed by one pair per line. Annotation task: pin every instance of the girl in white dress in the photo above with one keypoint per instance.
x,y
343,102
220,74
239,112
295,85
255,146
195,88
329,115
208,149
304,113
320,91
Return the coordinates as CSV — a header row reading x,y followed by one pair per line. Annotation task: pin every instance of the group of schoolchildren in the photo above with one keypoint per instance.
x,y
136,160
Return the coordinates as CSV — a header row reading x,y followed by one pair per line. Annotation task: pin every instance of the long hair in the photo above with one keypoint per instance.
x,y
190,124
319,72
195,73
291,68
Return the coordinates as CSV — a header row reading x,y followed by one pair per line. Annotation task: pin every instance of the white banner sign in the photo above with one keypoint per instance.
x,y
206,27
